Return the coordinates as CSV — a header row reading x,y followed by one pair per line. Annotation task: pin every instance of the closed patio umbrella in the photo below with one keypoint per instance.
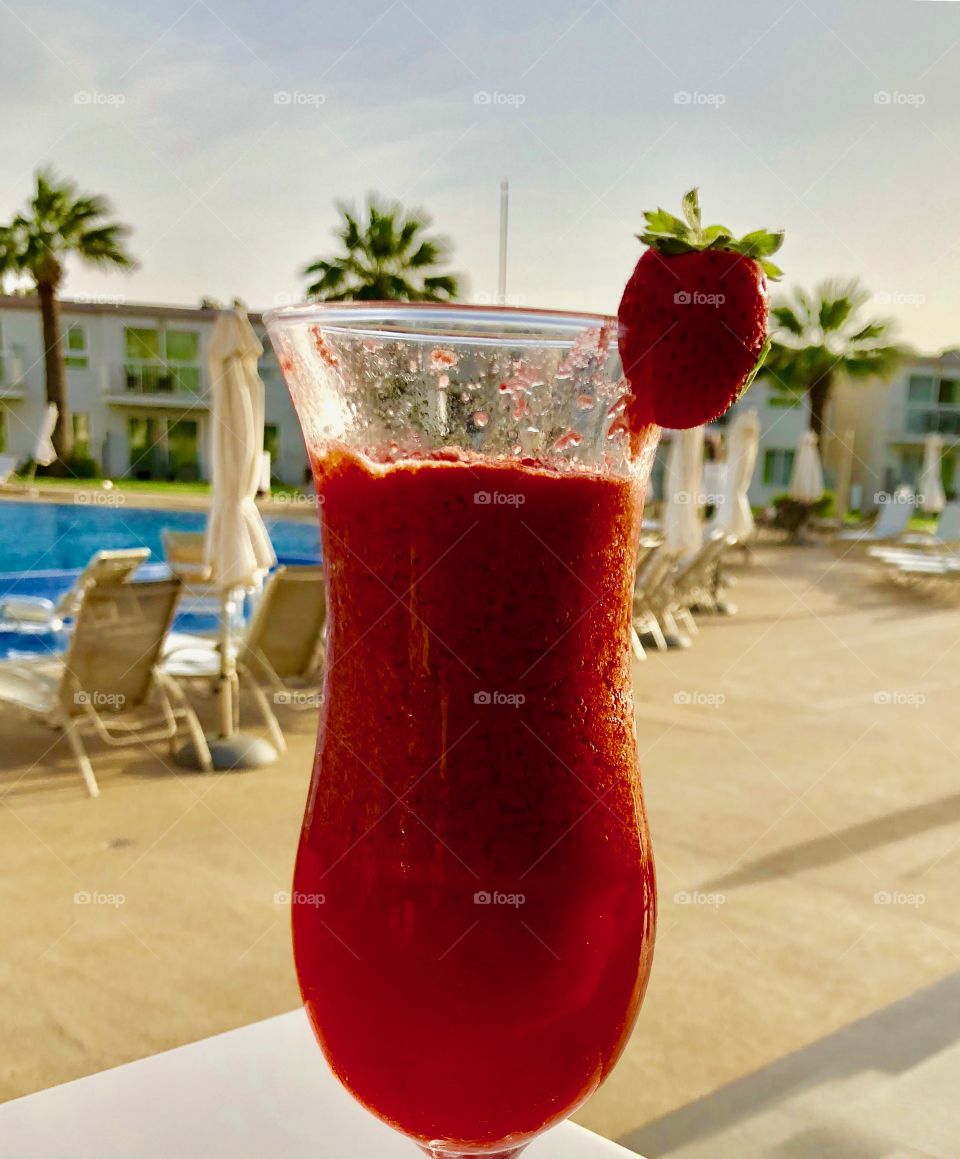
x,y
682,529
733,514
806,482
933,499
238,548
44,452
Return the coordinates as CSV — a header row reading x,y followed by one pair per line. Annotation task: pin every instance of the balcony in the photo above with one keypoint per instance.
x,y
932,419
170,386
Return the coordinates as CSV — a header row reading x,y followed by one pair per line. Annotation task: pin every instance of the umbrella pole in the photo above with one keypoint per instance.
x,y
227,680
230,748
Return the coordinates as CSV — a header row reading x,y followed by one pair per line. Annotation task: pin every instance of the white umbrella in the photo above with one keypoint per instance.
x,y
44,452
806,482
932,495
682,529
733,514
238,548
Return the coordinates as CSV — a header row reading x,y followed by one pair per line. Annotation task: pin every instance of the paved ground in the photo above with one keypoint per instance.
x,y
801,771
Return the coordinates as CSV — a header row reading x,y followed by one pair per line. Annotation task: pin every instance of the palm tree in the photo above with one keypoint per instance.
x,y
821,337
59,221
386,257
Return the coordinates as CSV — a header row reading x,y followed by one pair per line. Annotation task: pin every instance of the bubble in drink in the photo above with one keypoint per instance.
x,y
480,419
585,402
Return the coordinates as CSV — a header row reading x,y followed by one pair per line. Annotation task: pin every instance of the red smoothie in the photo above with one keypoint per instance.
x,y
474,894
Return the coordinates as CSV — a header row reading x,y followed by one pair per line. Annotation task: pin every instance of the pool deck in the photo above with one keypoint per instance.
x,y
285,506
800,765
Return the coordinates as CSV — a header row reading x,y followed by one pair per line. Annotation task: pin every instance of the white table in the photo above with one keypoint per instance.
x,y
254,1093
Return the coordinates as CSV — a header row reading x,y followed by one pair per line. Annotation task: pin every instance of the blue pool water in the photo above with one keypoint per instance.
x,y
43,546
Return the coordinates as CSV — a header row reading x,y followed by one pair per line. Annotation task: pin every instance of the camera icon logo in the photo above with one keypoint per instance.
x,y
682,298
482,498
482,698
482,897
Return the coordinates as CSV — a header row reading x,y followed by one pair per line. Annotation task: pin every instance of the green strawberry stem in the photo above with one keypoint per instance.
x,y
672,235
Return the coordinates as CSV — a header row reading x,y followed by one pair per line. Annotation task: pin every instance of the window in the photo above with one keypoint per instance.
x,y
183,446
911,464
271,441
948,393
160,361
75,341
81,435
920,388
183,346
777,467
142,344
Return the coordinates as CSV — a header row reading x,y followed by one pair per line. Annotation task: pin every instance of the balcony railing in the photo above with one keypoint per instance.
x,y
162,378
929,420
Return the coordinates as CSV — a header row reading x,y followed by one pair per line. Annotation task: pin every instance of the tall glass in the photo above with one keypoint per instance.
x,y
474,898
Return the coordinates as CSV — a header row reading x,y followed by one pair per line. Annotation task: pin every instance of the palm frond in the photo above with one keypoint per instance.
x,y
385,254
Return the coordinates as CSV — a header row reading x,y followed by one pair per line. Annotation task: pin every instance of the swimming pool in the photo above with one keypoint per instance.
x,y
43,546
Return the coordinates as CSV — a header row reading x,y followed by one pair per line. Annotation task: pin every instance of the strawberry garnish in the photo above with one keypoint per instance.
x,y
693,318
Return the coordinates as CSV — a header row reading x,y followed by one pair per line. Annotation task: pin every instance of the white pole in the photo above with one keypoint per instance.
x,y
504,211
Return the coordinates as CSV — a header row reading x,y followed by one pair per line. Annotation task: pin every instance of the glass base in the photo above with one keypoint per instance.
x,y
511,1154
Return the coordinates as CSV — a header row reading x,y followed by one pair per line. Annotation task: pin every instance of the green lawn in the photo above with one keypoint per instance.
x,y
140,486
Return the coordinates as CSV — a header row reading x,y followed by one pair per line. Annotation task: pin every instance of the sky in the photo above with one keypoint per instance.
x,y
224,131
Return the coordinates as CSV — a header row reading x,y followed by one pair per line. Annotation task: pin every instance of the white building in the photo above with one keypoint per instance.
x,y
782,422
891,419
137,388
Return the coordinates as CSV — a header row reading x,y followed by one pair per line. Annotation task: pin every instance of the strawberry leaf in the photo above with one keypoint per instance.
x,y
773,272
691,210
753,373
659,221
760,244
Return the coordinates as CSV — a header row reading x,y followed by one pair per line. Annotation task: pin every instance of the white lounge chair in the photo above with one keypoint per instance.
x,y
891,523
281,652
34,614
109,680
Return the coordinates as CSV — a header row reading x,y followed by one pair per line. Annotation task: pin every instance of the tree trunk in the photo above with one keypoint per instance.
x,y
55,371
819,396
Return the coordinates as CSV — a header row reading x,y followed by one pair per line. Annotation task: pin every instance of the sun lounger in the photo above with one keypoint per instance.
x,y
281,652
33,614
109,682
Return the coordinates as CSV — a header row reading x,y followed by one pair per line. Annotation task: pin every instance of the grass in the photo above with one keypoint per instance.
x,y
137,486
